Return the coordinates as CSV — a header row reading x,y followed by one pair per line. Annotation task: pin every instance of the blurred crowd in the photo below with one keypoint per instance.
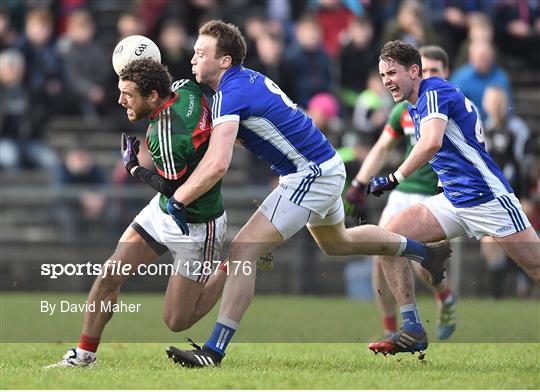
x,y
55,60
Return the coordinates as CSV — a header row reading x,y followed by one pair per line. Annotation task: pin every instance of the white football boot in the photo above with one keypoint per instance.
x,y
75,358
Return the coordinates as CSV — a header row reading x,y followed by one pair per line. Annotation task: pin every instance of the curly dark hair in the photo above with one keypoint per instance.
x,y
229,40
148,75
401,53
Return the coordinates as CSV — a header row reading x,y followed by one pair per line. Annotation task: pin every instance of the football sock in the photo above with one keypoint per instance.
x,y
88,343
390,323
222,335
411,318
412,250
445,296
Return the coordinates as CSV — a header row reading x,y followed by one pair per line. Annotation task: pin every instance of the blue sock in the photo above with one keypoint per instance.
x,y
411,318
413,250
221,335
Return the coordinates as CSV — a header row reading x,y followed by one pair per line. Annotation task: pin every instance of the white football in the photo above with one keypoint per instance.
x,y
132,48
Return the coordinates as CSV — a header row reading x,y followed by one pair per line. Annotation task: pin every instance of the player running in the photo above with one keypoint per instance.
x,y
415,189
177,138
251,108
477,199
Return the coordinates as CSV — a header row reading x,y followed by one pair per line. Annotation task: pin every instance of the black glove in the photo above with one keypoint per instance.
x,y
129,149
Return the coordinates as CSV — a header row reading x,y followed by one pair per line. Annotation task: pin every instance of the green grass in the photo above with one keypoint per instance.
x,y
496,346
280,366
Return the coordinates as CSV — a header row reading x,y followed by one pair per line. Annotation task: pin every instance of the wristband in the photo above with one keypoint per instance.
x,y
133,170
398,176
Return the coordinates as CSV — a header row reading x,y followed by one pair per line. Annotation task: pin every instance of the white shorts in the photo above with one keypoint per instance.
x,y
399,201
204,242
311,196
497,218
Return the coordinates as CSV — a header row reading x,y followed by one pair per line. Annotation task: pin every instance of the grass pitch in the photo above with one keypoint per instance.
x,y
496,346
280,366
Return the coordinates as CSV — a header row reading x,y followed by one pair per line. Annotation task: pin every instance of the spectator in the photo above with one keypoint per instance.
x,y
175,52
410,26
358,55
255,26
333,17
480,29
480,72
518,29
372,107
87,68
21,123
80,169
43,63
8,36
323,108
452,19
269,49
502,130
506,136
307,66
128,24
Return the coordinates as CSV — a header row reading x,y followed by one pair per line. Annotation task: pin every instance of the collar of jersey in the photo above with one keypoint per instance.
x,y
421,89
164,105
230,72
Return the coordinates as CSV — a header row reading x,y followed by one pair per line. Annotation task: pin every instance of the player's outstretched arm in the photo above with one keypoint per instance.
x,y
430,141
212,166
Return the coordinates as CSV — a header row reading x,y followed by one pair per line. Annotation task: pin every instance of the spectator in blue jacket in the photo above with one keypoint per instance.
x,y
480,72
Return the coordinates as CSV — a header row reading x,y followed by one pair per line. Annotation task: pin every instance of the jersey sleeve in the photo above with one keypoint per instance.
x,y
227,106
434,103
393,125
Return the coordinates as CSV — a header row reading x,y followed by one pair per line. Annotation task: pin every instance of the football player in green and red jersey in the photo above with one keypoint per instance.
x,y
177,138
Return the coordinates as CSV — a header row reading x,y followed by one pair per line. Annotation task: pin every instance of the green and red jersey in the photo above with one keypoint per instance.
x,y
424,180
177,138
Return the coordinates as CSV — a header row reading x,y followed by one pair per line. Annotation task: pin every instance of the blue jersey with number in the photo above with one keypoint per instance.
x,y
271,126
466,172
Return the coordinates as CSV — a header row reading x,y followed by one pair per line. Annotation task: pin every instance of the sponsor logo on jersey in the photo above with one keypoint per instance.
x,y
191,105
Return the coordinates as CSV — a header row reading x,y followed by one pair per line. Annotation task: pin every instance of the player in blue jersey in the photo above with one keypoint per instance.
x,y
250,108
477,199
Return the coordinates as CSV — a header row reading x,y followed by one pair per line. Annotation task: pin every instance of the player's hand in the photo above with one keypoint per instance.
x,y
177,211
129,149
378,185
356,195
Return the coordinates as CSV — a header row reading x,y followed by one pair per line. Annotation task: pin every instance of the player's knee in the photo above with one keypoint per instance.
x,y
177,323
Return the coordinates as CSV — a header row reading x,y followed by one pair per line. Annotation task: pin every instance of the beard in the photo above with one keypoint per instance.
x,y
142,112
